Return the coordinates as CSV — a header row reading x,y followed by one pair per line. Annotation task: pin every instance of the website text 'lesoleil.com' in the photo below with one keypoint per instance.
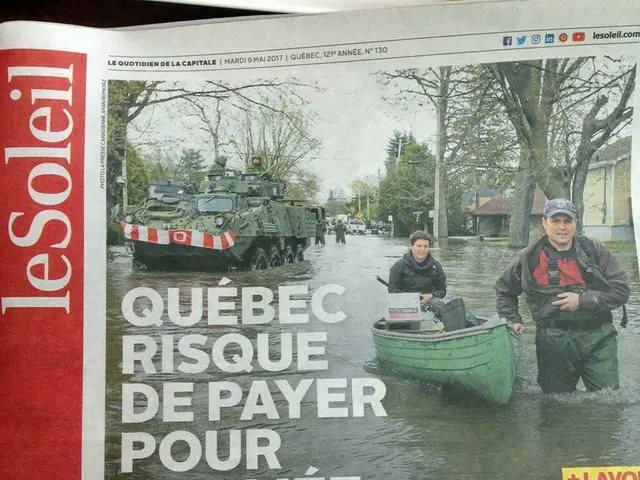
x,y
617,34
567,37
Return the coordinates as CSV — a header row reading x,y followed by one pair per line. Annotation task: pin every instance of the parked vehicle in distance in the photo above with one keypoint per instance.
x,y
356,227
384,227
331,222
342,218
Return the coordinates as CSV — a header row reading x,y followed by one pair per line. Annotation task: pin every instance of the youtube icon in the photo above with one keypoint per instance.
x,y
577,37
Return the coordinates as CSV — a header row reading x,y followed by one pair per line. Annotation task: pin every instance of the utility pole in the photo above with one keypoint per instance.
x,y
436,188
125,194
368,204
440,229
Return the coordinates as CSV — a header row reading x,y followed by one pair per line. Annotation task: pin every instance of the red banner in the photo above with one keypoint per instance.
x,y
190,238
42,100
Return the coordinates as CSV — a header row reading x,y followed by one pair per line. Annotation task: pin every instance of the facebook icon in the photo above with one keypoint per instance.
x,y
507,41
548,38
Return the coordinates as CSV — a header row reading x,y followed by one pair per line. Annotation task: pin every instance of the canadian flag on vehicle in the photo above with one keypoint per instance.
x,y
191,238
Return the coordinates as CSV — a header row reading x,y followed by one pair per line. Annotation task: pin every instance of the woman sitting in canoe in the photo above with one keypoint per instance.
x,y
418,271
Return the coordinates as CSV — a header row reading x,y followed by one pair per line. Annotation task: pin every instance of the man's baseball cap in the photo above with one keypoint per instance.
x,y
559,206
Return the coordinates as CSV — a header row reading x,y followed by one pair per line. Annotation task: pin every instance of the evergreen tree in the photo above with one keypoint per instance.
x,y
191,168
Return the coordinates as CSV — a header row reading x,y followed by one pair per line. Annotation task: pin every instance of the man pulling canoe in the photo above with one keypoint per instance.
x,y
571,283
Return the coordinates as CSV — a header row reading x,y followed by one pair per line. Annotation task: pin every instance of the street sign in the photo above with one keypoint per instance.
x,y
390,218
417,212
432,213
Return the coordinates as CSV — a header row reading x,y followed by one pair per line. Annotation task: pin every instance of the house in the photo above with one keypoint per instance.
x,y
492,218
607,193
474,199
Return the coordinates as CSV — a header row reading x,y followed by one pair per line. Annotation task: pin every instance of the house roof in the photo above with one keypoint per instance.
x,y
502,206
617,149
483,192
495,206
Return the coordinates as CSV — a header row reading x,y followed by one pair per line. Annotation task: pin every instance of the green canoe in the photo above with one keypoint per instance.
x,y
480,360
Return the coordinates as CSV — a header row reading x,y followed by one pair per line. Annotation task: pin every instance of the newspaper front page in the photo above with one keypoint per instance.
x,y
199,221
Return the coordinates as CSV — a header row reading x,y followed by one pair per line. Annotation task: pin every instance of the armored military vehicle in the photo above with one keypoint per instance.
x,y
237,220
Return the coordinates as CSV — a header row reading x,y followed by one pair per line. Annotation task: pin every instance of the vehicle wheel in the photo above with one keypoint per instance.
x,y
299,255
275,260
259,260
288,255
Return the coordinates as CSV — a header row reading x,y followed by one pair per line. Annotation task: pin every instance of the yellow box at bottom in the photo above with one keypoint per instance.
x,y
601,473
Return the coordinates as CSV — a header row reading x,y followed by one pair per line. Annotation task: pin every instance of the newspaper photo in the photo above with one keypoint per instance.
x,y
387,244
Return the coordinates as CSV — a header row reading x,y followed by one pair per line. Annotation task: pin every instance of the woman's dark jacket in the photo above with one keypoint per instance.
x,y
407,275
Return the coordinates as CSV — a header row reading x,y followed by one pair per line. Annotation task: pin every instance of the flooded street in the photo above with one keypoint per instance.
x,y
424,434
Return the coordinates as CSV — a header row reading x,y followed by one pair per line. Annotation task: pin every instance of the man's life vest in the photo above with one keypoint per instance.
x,y
552,270
565,272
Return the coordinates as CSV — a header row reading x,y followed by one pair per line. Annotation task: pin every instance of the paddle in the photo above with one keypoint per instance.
x,y
386,284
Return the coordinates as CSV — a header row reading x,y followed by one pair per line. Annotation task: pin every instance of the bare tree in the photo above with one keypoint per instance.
x,y
278,131
461,99
542,99
212,123
437,86
597,130
128,99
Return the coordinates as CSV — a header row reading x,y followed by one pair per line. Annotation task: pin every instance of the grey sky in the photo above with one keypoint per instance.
x,y
353,124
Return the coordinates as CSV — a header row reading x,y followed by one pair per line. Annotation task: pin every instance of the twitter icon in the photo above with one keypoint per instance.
x,y
521,39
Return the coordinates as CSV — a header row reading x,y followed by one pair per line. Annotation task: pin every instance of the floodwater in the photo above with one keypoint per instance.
x,y
424,434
